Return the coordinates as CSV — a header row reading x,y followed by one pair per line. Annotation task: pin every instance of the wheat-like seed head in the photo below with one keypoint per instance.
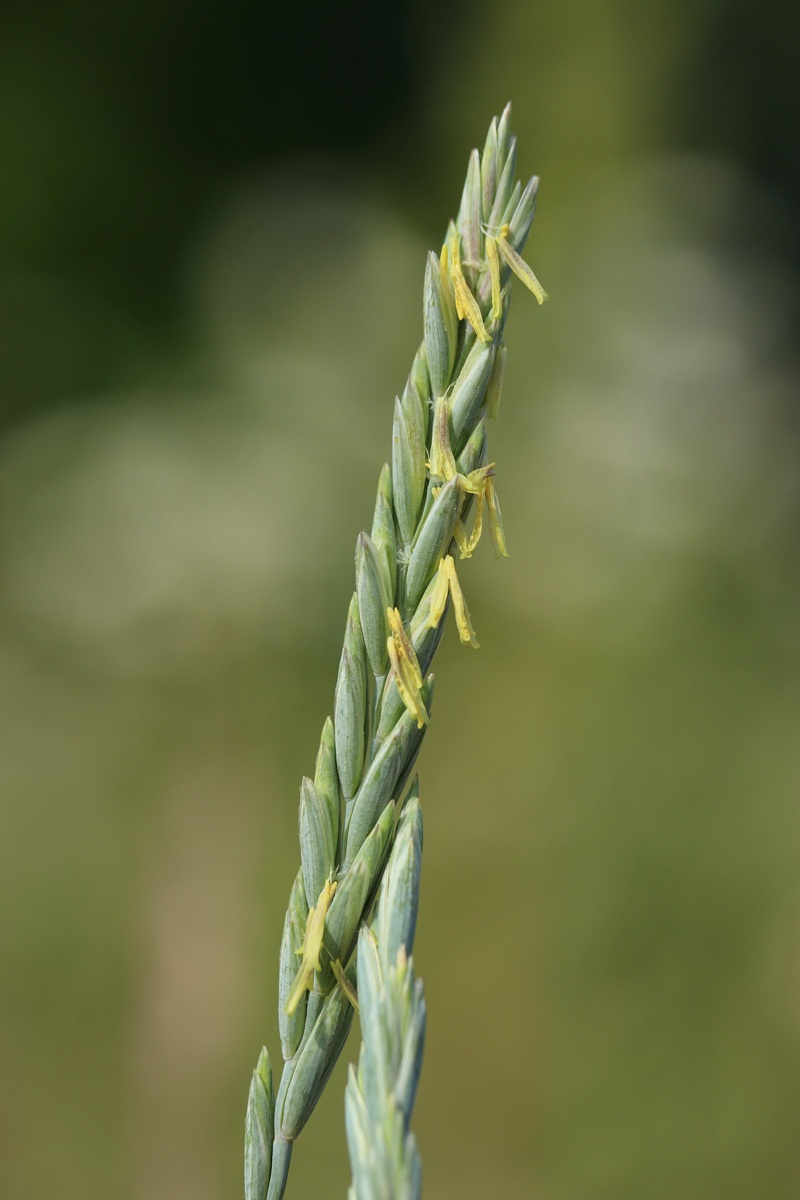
x,y
406,580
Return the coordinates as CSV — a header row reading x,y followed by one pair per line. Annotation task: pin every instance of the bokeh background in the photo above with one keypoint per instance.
x,y
213,223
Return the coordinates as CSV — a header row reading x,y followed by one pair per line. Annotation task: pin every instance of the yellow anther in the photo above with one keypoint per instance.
x,y
447,582
311,948
442,464
404,646
454,269
463,622
475,482
475,536
405,669
466,304
519,266
408,693
494,268
461,539
438,596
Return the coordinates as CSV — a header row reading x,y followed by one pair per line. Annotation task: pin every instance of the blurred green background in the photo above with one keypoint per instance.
x,y
213,223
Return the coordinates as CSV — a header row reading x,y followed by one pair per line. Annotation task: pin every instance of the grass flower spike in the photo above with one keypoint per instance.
x,y
349,926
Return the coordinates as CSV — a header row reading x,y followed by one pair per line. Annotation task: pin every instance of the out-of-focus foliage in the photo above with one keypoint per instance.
x,y
213,226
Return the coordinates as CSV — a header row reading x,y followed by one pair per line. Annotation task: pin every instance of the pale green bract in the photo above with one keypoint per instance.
x,y
352,845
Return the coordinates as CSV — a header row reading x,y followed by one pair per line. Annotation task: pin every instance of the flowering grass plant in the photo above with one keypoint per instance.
x,y
349,927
